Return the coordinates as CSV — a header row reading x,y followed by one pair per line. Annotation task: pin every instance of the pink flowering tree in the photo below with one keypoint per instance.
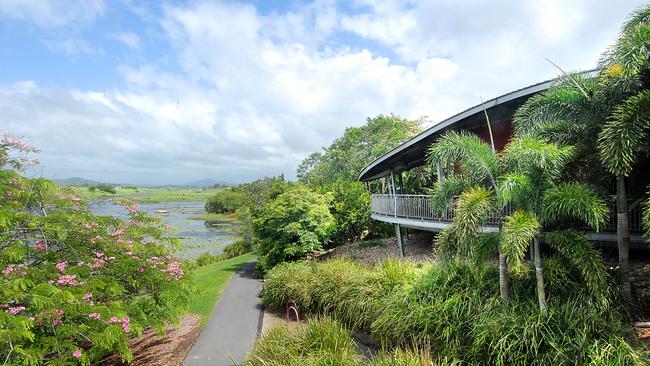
x,y
75,287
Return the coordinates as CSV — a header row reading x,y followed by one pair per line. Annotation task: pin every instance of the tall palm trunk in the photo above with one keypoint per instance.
x,y
539,274
503,277
623,235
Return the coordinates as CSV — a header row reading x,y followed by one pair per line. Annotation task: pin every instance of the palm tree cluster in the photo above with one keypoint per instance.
x,y
598,123
526,176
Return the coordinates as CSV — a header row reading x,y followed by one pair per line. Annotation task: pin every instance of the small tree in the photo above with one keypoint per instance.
x,y
296,223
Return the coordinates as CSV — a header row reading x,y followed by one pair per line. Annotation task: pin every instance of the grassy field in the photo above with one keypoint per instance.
x,y
151,195
210,281
216,217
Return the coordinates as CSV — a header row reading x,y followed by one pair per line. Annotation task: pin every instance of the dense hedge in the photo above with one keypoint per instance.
x,y
454,308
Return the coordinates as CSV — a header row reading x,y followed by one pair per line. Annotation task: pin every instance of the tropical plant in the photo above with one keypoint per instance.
x,y
76,287
542,203
226,201
295,223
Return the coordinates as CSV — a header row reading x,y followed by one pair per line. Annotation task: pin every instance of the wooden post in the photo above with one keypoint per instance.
x,y
392,178
398,235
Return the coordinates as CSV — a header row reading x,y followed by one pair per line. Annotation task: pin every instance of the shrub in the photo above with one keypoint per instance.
x,y
226,201
295,223
75,287
453,310
318,342
237,248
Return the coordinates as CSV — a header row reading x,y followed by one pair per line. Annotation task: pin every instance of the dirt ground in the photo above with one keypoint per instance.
x,y
170,350
418,246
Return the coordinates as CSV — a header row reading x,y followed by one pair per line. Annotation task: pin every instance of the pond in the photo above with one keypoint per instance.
x,y
197,236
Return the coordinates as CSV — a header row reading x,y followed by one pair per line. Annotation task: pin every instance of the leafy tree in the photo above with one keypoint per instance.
x,y
358,147
226,201
75,287
296,223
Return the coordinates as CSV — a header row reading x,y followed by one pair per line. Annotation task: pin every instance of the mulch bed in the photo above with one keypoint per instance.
x,y
170,350
418,247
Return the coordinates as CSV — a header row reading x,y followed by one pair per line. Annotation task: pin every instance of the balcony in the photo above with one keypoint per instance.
x,y
415,211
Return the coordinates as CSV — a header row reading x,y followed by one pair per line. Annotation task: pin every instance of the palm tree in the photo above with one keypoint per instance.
x,y
477,187
626,67
525,175
533,186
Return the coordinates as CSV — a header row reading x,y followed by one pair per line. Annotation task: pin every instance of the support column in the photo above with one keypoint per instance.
x,y
392,179
398,235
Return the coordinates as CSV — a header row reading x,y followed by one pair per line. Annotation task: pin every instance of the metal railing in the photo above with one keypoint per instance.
x,y
418,207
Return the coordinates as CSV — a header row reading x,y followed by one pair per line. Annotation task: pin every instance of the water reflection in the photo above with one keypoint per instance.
x,y
197,236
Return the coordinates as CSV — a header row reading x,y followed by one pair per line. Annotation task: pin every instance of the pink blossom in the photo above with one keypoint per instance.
x,y
94,315
76,353
7,271
133,208
174,270
15,310
16,143
118,233
68,280
14,181
40,246
61,266
98,263
58,311
88,296
95,239
141,269
126,323
99,254
89,225
56,321
70,197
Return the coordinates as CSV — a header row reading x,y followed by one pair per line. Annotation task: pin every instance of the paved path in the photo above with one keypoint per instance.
x,y
233,326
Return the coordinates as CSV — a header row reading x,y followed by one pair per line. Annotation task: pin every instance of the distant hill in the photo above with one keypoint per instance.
x,y
205,183
76,181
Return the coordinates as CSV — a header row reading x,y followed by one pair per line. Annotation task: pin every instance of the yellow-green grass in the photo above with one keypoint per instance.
x,y
216,217
210,280
151,195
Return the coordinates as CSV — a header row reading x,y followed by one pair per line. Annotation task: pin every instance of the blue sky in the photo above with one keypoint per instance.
x,y
166,92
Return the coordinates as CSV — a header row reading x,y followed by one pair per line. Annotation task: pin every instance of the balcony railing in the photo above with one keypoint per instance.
x,y
418,207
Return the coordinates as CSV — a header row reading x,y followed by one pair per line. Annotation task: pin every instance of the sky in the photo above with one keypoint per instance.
x,y
167,92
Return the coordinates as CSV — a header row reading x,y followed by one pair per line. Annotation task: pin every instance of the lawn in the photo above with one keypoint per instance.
x,y
210,281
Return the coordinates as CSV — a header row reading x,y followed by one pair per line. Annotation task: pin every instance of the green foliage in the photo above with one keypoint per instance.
x,y
358,147
577,201
106,188
350,207
625,133
452,310
472,210
445,190
295,223
519,230
226,201
318,342
72,281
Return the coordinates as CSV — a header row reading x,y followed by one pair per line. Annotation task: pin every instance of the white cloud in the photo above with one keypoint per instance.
x,y
128,38
52,13
252,94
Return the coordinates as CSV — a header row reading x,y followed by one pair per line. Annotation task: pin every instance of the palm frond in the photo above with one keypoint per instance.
x,y
564,101
474,156
574,200
530,155
444,191
631,49
513,187
624,134
473,208
576,248
518,231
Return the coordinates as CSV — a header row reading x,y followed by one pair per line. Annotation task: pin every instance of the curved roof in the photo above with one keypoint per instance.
x,y
412,153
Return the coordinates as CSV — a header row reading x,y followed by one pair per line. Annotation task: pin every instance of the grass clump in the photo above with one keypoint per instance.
x,y
453,310
318,342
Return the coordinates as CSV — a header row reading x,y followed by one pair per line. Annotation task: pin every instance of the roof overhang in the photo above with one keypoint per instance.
x,y
412,153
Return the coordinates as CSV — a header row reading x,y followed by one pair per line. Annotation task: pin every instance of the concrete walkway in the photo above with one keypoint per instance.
x,y
233,326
